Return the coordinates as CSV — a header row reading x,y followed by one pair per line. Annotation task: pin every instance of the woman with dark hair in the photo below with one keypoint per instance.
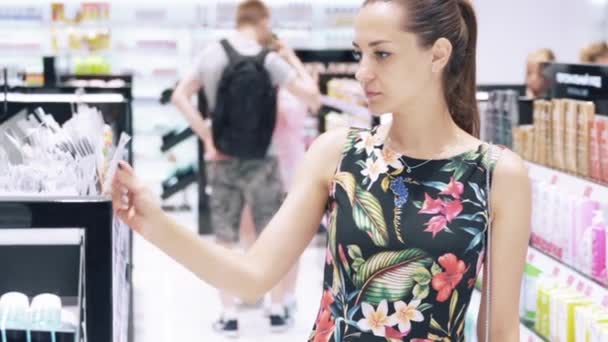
x,y
416,207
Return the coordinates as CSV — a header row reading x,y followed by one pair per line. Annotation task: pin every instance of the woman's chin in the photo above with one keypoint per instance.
x,y
377,109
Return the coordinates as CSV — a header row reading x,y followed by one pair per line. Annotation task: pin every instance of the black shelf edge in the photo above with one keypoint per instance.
x,y
181,185
170,142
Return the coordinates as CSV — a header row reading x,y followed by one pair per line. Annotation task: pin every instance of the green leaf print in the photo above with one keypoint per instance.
x,y
337,283
477,217
472,231
476,241
453,303
421,291
356,264
422,276
479,193
389,275
458,166
354,252
369,217
351,141
436,269
418,204
435,185
348,183
424,306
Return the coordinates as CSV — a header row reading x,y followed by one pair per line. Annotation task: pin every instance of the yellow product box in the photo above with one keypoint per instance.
x,y
599,332
566,318
584,316
545,288
557,308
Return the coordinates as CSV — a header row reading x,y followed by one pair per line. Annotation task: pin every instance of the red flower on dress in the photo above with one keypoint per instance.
x,y
445,282
431,206
451,210
325,322
436,225
325,327
455,189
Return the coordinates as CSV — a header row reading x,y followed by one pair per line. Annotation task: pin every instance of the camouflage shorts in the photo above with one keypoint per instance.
x,y
235,182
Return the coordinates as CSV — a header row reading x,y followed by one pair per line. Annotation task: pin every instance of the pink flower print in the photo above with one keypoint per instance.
x,y
454,189
452,209
436,225
431,206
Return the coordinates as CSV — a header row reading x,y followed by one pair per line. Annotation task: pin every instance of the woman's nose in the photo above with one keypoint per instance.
x,y
364,73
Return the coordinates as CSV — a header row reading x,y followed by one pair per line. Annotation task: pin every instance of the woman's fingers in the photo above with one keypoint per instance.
x,y
125,177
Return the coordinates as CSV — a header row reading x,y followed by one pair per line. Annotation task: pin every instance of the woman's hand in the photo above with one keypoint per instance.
x,y
134,203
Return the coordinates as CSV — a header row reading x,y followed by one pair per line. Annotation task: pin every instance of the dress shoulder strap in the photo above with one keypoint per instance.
x,y
492,156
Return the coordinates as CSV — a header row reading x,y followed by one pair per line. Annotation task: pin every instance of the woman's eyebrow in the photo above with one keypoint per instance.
x,y
373,43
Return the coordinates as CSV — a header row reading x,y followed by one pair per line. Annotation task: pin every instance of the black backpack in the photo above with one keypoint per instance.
x,y
245,113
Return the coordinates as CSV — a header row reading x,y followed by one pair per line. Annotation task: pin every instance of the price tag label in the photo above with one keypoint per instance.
x,y
580,286
554,179
555,271
588,192
589,291
570,280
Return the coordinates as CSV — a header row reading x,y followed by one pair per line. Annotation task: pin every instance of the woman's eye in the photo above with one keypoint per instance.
x,y
382,54
357,55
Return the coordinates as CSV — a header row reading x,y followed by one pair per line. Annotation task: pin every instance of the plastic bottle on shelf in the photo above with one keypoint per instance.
x,y
598,233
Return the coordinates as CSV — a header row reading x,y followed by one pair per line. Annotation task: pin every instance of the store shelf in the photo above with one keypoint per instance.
x,y
347,107
60,98
569,183
569,276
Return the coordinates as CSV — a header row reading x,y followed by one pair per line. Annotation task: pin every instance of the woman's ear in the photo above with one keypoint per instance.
x,y
441,52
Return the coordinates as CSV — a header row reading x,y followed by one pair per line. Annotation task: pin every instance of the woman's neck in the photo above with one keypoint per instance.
x,y
426,129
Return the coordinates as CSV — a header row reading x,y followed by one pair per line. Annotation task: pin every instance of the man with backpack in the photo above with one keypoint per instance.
x,y
240,80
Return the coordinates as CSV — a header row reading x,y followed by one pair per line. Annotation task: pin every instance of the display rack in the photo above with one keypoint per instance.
x,y
107,281
60,103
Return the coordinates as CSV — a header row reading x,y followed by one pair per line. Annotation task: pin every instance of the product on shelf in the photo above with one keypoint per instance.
x,y
42,157
571,135
558,134
586,317
570,227
585,117
502,116
529,293
602,133
566,135
45,314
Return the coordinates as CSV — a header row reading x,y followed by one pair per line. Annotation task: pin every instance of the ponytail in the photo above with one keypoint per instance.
x,y
460,79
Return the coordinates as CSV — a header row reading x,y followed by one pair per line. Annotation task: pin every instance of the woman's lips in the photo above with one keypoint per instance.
x,y
371,95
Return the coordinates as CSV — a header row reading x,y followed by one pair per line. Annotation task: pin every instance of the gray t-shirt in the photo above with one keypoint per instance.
x,y
210,64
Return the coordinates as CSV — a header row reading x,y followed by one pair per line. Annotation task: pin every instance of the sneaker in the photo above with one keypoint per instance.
x,y
229,328
278,323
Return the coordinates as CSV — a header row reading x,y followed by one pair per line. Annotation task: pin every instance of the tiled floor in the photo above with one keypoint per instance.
x,y
171,304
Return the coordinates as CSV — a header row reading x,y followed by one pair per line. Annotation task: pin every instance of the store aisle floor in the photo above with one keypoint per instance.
x,y
171,304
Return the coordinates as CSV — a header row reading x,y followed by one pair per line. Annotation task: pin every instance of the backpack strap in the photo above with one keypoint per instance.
x,y
261,57
232,54
493,154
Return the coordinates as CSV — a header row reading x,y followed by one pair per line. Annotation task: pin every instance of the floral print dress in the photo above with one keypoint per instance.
x,y
404,246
